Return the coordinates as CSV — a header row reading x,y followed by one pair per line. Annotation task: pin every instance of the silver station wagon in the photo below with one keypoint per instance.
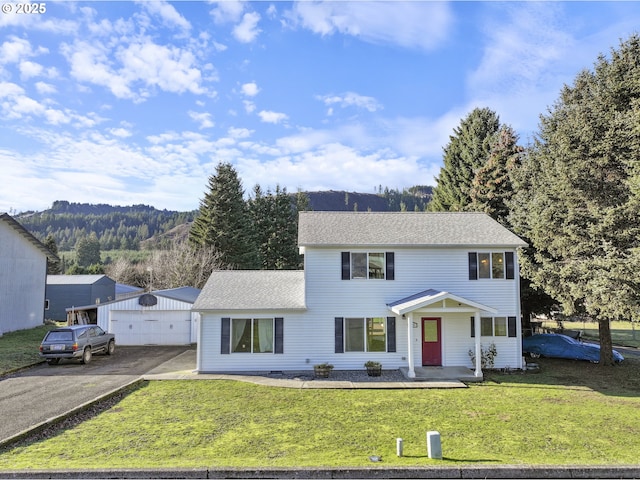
x,y
77,341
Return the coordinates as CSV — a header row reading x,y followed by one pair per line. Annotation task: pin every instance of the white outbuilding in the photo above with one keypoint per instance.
x,y
161,317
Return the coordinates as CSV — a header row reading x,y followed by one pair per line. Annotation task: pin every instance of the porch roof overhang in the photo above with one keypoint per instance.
x,y
436,301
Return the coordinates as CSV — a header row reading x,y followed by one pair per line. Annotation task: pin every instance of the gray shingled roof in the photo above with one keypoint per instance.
x,y
372,229
253,290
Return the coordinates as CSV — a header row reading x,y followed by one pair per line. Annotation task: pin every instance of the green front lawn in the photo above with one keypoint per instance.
x,y
21,349
622,333
570,413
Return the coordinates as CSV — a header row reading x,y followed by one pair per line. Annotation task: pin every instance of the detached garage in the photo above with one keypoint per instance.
x,y
161,317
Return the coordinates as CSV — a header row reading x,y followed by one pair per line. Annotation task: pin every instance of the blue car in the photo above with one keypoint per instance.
x,y
561,346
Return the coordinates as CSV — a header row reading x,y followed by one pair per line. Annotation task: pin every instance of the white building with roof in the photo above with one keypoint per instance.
x,y
405,289
161,317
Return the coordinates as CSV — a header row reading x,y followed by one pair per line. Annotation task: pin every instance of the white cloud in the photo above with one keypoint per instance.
x,y
45,88
120,132
202,118
247,30
227,11
249,106
422,25
143,64
220,47
238,133
30,69
167,13
272,117
170,68
527,57
351,99
334,166
17,50
90,63
250,89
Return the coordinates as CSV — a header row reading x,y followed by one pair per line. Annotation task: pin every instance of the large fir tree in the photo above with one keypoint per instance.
x,y
467,151
88,251
223,221
576,199
275,222
53,265
491,188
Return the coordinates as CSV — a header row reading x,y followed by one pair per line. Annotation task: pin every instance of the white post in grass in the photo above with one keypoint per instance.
x,y
434,446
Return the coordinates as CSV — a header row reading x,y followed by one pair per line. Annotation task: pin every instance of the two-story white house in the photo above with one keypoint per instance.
x,y
406,289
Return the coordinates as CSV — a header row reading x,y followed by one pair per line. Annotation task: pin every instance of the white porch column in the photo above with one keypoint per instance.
x,y
476,329
412,369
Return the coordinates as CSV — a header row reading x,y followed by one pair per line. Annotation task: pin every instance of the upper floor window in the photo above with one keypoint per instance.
x,y
491,265
368,265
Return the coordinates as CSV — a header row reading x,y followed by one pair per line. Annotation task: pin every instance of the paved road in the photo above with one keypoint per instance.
x,y
40,393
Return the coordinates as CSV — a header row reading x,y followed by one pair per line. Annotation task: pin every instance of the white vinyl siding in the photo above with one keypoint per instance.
x,y
293,358
416,269
310,337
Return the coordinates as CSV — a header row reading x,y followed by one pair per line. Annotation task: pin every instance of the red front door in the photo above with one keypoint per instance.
x,y
431,342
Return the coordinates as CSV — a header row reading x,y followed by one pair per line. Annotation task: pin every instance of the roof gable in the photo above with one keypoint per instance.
x,y
24,233
410,229
431,297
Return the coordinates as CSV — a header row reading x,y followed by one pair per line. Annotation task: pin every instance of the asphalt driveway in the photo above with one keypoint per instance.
x,y
43,392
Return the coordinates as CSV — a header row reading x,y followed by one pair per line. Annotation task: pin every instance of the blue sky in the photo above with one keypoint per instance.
x,y
137,102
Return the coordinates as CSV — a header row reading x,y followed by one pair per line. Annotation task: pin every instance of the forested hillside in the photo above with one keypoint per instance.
x,y
127,228
116,227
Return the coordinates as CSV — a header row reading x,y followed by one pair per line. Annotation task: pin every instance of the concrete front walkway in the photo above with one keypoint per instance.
x,y
183,367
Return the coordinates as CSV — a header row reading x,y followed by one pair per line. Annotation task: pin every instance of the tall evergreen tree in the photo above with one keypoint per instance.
x,y
491,188
223,221
467,151
576,199
53,266
88,251
275,223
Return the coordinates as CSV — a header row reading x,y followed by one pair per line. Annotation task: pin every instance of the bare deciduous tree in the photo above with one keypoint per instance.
x,y
181,265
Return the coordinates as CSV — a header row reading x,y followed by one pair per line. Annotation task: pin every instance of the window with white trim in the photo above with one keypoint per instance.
x,y
491,265
365,335
368,265
252,335
496,326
